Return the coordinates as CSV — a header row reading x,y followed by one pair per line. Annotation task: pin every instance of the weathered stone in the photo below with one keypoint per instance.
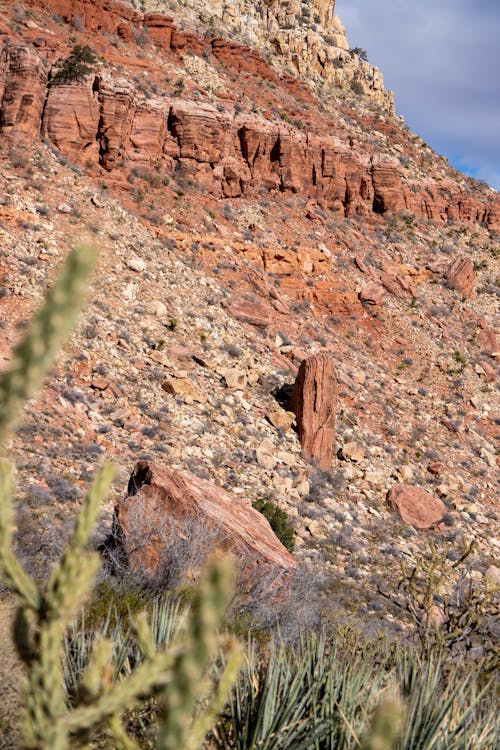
x,y
416,506
353,451
163,505
253,312
23,82
461,276
265,458
314,402
71,120
136,264
281,419
372,293
234,378
436,467
182,388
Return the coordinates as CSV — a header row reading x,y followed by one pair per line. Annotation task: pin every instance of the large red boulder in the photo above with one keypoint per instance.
x,y
314,402
169,513
416,506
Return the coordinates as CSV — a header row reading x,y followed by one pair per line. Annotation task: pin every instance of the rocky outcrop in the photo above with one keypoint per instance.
x,y
23,83
314,402
461,276
71,121
306,38
104,120
165,508
416,506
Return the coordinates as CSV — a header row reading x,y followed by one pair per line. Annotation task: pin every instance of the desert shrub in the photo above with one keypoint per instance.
x,y
312,697
453,612
278,521
361,53
77,65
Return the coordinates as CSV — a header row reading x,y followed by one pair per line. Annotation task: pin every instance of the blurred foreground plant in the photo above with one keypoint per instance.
x,y
175,674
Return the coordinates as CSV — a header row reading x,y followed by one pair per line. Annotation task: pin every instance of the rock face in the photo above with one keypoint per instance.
x,y
306,38
461,276
164,507
314,402
104,120
23,83
416,506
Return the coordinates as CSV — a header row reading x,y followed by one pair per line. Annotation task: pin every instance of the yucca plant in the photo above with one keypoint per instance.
x,y
444,712
311,698
175,674
300,698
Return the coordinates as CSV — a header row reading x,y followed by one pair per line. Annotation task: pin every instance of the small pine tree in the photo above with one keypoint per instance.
x,y
360,52
77,65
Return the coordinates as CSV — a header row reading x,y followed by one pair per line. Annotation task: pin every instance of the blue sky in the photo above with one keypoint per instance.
x,y
442,60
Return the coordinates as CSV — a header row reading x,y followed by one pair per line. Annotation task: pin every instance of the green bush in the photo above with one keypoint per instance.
x,y
77,66
278,520
361,53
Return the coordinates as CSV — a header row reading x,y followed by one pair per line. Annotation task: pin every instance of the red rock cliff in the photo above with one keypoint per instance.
x,y
102,120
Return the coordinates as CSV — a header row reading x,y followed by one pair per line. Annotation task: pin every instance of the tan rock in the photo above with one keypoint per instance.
x,y
281,419
359,377
353,451
406,473
136,264
416,506
314,402
265,457
436,468
234,378
183,388
157,308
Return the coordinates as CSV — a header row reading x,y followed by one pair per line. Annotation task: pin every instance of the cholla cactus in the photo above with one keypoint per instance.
x,y
44,614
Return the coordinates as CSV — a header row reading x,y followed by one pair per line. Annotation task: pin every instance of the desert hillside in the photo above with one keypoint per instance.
x,y
256,204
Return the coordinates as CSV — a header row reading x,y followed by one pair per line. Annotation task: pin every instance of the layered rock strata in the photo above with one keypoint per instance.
x,y
101,120
306,37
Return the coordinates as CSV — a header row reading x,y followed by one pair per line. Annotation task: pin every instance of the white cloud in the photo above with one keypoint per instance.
x,y
442,59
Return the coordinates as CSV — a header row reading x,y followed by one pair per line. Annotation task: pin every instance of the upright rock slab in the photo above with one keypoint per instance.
x,y
461,276
314,402
167,511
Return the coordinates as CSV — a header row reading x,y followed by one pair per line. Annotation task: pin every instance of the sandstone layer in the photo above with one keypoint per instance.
x,y
101,120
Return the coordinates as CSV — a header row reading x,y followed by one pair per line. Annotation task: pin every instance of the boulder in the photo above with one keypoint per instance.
x,y
372,293
251,311
167,513
314,401
416,506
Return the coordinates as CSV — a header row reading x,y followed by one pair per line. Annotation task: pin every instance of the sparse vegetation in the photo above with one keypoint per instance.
x,y
278,521
77,66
